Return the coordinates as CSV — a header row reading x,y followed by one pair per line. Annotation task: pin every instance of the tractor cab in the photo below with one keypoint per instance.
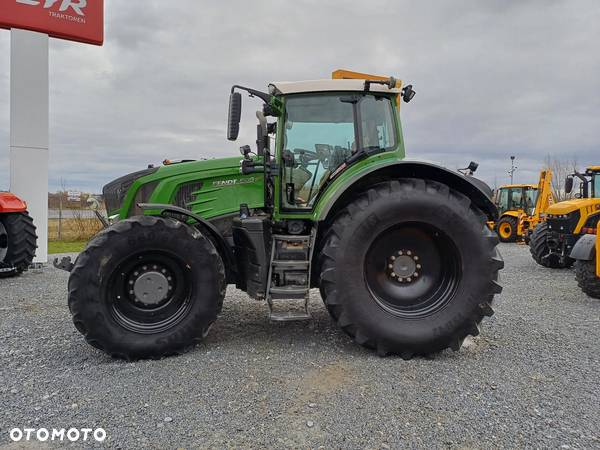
x,y
589,186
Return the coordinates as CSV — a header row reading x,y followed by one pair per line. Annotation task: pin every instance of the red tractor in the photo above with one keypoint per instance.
x,y
18,240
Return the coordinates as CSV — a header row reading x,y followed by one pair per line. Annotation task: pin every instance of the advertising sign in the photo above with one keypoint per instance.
x,y
74,20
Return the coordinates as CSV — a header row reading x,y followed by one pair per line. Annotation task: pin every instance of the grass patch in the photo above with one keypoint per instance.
x,y
66,246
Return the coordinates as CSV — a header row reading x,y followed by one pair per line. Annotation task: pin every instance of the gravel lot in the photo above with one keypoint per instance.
x,y
530,379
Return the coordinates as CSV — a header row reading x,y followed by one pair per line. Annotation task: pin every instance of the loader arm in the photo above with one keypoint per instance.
x,y
545,195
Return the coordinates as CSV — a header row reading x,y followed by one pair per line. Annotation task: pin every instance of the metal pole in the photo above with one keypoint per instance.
x,y
29,102
511,172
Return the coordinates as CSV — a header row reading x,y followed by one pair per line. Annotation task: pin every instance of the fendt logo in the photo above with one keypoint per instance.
x,y
76,6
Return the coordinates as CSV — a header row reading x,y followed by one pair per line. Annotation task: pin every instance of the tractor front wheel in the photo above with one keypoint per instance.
x,y
410,268
588,281
18,242
507,229
146,287
541,252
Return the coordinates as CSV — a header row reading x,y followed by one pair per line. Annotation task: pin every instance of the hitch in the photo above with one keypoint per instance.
x,y
65,263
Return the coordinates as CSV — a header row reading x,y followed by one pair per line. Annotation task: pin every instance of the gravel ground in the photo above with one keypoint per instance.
x,y
529,380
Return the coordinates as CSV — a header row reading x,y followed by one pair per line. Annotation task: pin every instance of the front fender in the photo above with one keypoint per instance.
x,y
585,248
342,190
10,203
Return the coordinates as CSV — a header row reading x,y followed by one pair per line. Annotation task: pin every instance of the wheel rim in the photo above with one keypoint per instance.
x,y
3,242
412,270
505,230
150,292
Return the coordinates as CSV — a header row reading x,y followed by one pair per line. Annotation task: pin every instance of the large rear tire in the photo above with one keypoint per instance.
x,y
410,268
18,242
588,281
507,229
540,251
147,287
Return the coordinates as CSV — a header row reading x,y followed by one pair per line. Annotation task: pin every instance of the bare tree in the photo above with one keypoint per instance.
x,y
561,168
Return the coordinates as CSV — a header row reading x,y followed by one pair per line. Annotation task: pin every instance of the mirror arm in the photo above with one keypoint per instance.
x,y
253,92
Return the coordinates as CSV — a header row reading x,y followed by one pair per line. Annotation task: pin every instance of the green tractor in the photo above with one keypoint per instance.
x,y
399,249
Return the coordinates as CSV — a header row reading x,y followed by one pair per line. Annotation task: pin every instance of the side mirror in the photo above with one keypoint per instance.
x,y
408,93
473,166
569,185
234,116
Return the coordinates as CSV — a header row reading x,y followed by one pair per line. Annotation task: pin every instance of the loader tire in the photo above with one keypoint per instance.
x,y
507,229
146,287
409,268
588,281
538,247
18,242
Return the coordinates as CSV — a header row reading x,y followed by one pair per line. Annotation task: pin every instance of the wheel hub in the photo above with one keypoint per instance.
x,y
404,266
150,286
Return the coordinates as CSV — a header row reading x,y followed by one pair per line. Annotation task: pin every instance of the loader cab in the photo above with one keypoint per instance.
x,y
521,198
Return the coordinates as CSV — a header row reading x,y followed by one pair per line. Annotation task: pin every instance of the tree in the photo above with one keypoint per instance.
x,y
561,168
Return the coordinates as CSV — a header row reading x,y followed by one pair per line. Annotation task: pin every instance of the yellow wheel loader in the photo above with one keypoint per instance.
x,y
566,222
586,254
522,207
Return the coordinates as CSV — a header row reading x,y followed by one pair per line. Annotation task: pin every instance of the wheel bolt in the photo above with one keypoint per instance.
x,y
391,266
130,281
416,274
409,280
393,258
409,253
418,266
130,292
145,268
416,258
400,252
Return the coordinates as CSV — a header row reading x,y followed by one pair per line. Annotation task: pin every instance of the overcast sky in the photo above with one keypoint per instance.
x,y
493,79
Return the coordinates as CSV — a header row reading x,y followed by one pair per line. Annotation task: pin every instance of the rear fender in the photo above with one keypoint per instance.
x,y
476,190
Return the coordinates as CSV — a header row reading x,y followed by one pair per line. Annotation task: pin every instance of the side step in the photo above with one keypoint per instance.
x,y
289,277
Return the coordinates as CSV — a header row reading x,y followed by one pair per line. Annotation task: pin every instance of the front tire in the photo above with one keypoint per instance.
x,y
507,229
147,287
588,281
541,253
410,268
18,243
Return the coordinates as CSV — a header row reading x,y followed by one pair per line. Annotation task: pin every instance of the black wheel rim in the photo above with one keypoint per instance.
x,y
166,281
412,270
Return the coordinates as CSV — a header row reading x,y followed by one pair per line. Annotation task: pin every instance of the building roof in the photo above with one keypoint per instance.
x,y
296,87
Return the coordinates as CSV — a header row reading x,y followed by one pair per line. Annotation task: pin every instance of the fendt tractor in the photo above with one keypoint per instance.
x,y
399,249
522,207
586,254
566,222
18,240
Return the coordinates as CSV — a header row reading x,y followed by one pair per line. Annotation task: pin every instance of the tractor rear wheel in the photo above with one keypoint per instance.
x,y
507,229
410,268
147,287
540,251
588,281
18,242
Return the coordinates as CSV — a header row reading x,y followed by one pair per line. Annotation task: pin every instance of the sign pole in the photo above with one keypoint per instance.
x,y
29,129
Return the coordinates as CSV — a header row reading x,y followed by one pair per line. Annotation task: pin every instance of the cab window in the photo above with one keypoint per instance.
x,y
322,131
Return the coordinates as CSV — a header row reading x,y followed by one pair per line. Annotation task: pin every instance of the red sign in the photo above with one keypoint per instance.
x,y
74,20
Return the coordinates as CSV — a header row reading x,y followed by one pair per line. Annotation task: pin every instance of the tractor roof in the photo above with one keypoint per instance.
x,y
594,168
297,87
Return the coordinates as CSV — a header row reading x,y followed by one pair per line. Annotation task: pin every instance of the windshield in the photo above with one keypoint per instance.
x,y
322,131
513,199
596,185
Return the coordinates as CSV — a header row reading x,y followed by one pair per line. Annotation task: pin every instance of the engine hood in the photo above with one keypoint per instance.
x,y
569,206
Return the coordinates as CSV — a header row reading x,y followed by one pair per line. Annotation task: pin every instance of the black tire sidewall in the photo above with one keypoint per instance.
x,y
457,222
88,285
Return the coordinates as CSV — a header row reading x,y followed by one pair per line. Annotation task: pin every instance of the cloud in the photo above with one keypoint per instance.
x,y
494,79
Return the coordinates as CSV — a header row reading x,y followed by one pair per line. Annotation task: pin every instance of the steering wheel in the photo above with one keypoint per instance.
x,y
306,156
